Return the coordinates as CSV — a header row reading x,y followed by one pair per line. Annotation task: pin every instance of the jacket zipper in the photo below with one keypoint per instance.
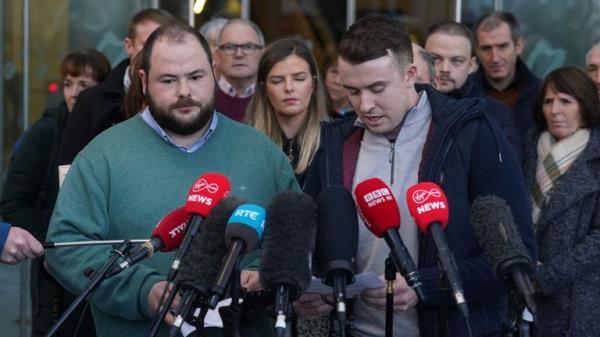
x,y
392,159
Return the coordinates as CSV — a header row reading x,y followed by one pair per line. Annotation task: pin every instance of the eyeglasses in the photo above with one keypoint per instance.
x,y
247,48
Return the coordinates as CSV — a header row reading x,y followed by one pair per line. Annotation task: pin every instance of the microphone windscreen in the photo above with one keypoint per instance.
x,y
288,243
202,262
495,230
377,206
247,223
171,229
427,204
337,231
206,192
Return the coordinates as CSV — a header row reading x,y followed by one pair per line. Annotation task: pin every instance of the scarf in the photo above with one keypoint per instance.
x,y
554,159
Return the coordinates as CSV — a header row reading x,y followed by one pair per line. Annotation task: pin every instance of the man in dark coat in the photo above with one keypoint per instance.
x,y
405,134
452,48
503,75
100,107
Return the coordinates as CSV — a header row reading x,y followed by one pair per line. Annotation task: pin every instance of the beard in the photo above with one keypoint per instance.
x,y
169,121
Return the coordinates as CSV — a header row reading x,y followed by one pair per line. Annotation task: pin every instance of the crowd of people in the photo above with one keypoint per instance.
x,y
462,110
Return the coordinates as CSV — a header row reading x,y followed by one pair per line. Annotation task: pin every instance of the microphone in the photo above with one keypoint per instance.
x,y
496,233
379,210
243,233
206,192
428,205
200,267
166,236
337,239
285,262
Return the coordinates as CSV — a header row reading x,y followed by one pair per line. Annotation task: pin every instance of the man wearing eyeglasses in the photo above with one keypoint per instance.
x,y
240,46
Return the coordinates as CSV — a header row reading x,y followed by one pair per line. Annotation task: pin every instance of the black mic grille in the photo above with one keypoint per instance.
x,y
288,242
203,260
496,232
337,232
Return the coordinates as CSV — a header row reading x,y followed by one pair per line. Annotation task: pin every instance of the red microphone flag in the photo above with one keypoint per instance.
x,y
171,228
206,192
427,204
377,206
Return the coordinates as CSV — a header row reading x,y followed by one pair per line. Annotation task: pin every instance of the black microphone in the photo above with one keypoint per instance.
x,y
428,206
243,233
202,263
496,232
205,193
337,239
289,240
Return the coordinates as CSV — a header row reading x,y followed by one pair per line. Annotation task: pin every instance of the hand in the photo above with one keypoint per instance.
x,y
250,280
312,306
154,298
19,246
404,296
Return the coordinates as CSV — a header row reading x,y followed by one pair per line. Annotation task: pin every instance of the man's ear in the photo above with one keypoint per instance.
x,y
144,80
411,74
473,65
519,46
129,46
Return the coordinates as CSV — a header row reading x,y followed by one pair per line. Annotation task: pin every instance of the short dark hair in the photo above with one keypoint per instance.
x,y
75,64
493,19
453,28
157,15
372,36
173,32
575,82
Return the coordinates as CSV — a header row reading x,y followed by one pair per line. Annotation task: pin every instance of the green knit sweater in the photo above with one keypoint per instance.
x,y
120,186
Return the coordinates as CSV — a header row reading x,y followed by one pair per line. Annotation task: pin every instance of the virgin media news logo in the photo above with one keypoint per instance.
x,y
203,185
421,196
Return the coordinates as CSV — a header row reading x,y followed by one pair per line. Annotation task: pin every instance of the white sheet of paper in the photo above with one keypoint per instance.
x,y
212,318
368,280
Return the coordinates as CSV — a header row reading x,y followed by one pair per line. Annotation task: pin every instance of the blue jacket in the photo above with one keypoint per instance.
x,y
4,229
499,112
462,154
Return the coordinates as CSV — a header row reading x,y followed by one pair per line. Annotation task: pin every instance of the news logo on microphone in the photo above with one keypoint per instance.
x,y
206,192
378,196
427,203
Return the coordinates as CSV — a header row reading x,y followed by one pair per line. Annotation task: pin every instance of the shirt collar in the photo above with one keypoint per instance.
x,y
147,117
227,88
126,79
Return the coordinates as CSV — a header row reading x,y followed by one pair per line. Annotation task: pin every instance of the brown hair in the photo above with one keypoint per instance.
x,y
372,36
135,100
77,63
575,82
160,16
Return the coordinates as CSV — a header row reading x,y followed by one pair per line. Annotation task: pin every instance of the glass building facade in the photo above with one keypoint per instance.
x,y
36,34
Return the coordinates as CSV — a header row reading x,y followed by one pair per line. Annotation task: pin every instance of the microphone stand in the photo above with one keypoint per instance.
x,y
390,277
444,292
52,244
192,229
235,307
158,319
94,282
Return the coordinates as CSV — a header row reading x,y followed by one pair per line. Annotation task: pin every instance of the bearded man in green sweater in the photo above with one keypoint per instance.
x,y
133,174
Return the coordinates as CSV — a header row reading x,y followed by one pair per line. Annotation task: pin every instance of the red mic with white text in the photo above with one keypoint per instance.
x,y
379,210
166,236
203,196
428,205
